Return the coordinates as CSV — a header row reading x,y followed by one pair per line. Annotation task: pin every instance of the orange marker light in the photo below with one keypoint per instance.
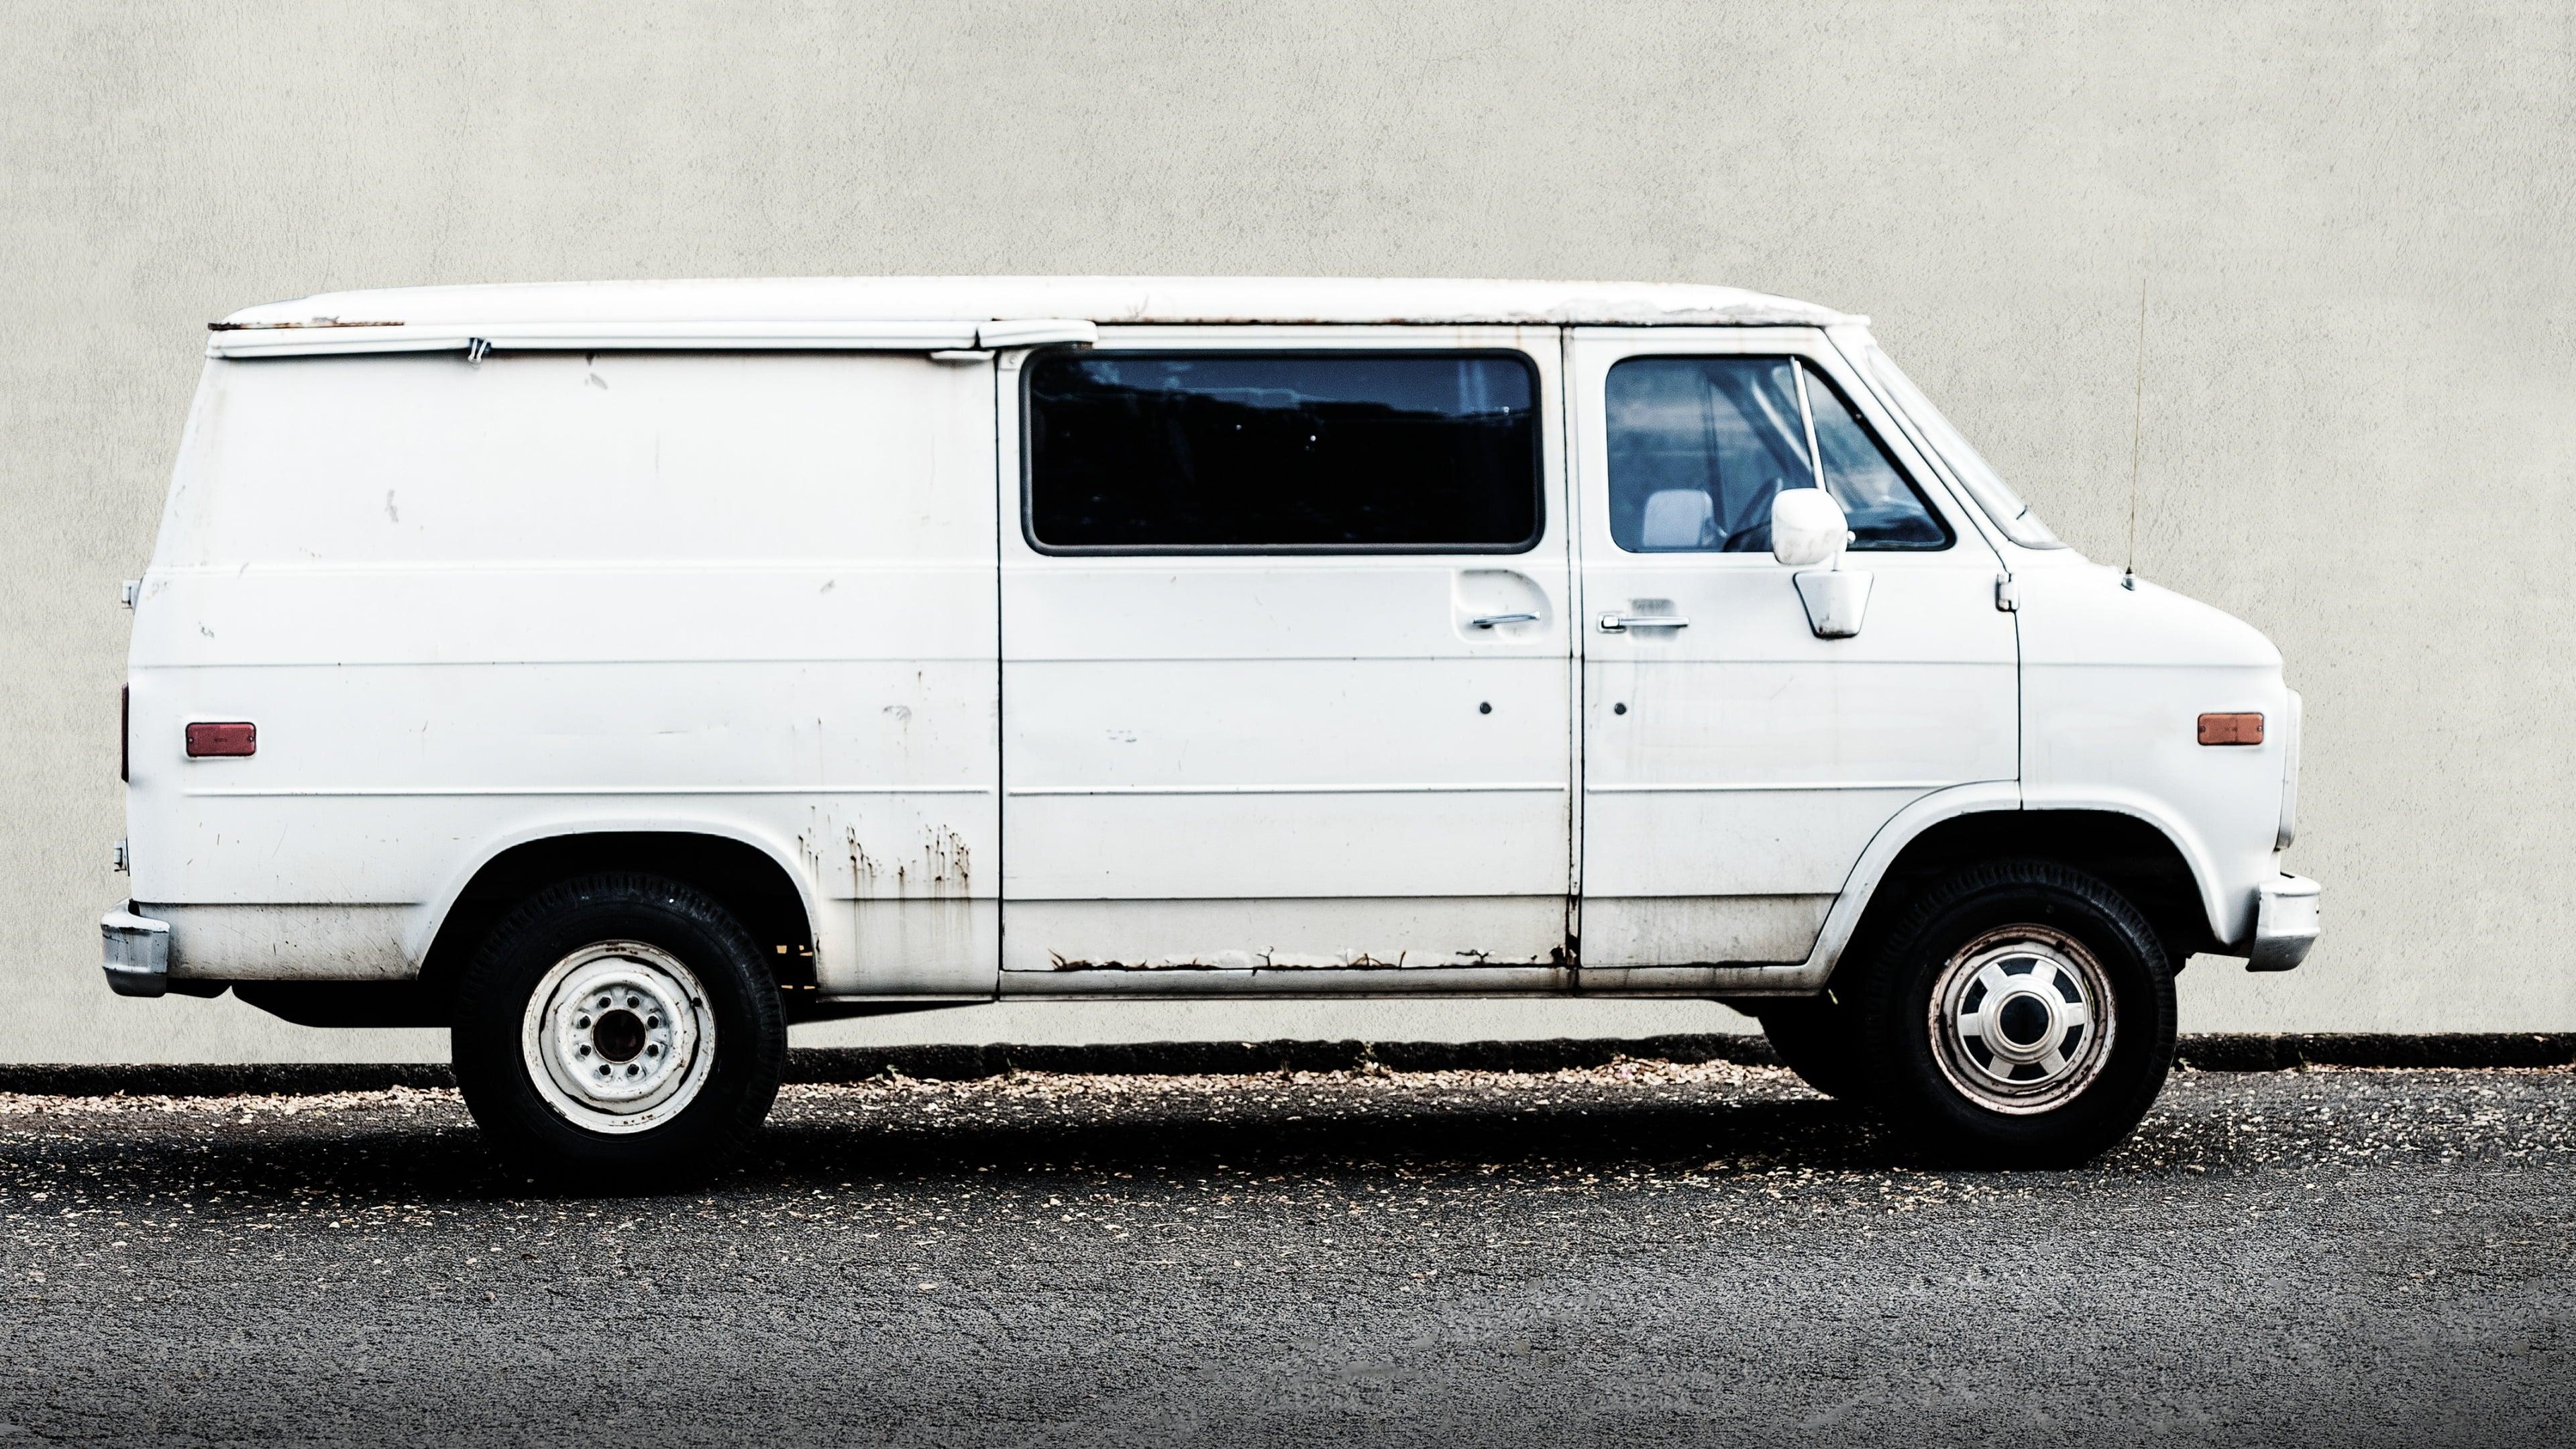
x,y
2231,729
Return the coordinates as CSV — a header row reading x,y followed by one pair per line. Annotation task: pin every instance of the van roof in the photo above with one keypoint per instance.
x,y
700,313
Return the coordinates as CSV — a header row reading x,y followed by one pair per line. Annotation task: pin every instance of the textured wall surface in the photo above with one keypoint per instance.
x,y
2355,220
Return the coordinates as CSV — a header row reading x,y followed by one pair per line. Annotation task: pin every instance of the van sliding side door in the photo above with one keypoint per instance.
x,y
1286,663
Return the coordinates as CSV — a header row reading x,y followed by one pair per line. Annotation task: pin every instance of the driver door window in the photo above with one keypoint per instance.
x,y
1699,446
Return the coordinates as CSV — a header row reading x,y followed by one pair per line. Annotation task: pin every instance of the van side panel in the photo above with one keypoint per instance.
x,y
468,605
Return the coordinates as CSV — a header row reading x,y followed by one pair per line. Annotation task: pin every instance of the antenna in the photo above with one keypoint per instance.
x,y
2137,417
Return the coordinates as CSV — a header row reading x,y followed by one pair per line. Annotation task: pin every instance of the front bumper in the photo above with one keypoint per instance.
x,y
2285,923
137,952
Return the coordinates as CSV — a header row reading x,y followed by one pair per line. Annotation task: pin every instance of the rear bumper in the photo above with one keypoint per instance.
x,y
2285,923
137,952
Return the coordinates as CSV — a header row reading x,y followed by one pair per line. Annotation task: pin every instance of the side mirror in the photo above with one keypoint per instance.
x,y
1808,528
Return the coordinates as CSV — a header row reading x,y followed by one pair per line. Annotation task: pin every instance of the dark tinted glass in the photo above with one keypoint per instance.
x,y
1699,446
1406,452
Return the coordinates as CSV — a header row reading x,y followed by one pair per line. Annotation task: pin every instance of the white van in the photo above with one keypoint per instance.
x,y
618,673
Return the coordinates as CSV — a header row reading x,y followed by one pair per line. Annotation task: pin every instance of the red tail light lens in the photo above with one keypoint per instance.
x,y
125,734
235,738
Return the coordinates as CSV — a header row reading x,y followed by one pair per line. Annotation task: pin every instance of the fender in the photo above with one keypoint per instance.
x,y
424,932
1903,828
2229,914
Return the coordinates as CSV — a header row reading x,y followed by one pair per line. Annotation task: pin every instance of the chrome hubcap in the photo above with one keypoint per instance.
x,y
2022,1019
618,1037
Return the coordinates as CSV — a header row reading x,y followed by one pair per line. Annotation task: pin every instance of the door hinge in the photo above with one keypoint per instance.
x,y
2007,593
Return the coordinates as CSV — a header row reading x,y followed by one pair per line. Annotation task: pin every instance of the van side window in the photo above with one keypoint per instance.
x,y
1281,452
1699,446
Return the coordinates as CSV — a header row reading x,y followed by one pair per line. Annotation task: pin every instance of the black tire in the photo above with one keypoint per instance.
x,y
726,1002
2019,950
1818,1040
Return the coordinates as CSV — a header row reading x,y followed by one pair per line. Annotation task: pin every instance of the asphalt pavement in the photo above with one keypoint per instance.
x,y
1643,1253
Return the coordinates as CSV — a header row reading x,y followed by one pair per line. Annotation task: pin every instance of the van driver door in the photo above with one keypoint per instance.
x,y
1736,764
1286,663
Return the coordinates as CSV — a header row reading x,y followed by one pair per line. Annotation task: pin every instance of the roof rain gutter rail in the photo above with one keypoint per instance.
x,y
314,339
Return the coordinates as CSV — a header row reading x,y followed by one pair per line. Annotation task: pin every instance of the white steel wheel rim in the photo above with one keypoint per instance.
x,y
617,1037
2022,1019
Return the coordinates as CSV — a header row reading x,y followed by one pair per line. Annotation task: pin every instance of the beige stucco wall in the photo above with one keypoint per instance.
x,y
2360,431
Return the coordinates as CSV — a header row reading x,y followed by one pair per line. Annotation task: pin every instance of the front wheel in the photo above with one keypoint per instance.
x,y
2018,1014
619,1031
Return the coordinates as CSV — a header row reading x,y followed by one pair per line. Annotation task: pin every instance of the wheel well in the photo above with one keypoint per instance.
x,y
2134,857
755,888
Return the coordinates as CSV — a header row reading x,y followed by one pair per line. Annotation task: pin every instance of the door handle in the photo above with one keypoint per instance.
x,y
1488,621
1622,623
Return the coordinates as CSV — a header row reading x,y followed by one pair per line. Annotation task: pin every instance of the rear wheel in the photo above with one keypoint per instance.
x,y
2017,1014
619,1031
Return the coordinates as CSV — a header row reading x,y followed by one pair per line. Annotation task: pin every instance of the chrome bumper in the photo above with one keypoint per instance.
x,y
2285,923
138,953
